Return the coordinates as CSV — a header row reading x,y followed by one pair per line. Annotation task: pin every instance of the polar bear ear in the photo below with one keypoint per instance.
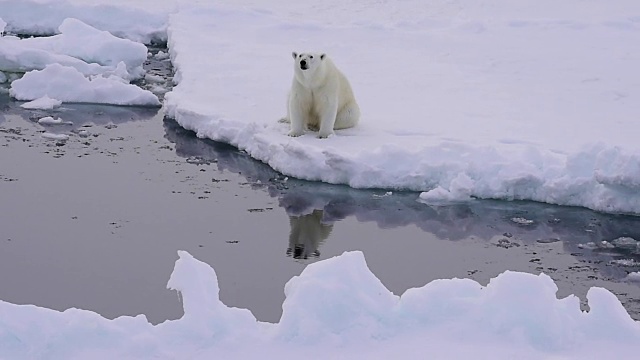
x,y
294,54
322,56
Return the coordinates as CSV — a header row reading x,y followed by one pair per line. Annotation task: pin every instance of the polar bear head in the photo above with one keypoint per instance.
x,y
307,62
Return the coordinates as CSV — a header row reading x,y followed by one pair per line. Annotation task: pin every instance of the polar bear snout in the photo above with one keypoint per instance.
x,y
304,65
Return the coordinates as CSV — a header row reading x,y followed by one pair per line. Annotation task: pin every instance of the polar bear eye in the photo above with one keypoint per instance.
x,y
310,56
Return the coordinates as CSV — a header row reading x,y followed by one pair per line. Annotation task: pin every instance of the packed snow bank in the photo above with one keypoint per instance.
x,y
81,64
140,20
455,103
338,307
88,50
90,45
69,85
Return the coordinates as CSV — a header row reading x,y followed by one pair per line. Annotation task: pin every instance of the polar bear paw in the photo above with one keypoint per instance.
x,y
295,133
324,135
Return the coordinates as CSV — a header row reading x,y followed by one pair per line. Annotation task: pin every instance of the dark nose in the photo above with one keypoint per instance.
x,y
303,63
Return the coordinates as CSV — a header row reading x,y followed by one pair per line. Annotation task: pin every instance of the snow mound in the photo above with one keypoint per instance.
x,y
88,50
81,64
338,306
455,107
69,85
42,103
91,45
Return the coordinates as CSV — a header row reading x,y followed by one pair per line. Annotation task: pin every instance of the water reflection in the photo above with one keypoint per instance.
x,y
306,234
314,207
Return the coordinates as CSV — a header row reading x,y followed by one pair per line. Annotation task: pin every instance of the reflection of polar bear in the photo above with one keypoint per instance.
x,y
307,233
320,98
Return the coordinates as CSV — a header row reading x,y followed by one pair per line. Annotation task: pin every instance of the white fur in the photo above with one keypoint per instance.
x,y
320,97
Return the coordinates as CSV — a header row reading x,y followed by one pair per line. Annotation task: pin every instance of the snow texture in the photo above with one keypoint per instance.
x,y
338,308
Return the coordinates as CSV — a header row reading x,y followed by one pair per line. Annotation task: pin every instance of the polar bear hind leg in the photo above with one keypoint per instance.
x,y
347,117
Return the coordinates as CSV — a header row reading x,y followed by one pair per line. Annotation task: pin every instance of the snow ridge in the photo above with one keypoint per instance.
x,y
338,307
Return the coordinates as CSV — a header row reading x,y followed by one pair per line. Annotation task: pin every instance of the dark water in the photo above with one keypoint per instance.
x,y
94,222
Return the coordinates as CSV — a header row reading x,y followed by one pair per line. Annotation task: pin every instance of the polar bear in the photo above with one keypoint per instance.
x,y
320,98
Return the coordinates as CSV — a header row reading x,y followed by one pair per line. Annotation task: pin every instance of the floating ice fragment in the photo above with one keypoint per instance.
x,y
52,136
197,160
605,245
625,262
154,78
158,90
589,246
521,221
596,245
626,243
161,55
634,276
49,120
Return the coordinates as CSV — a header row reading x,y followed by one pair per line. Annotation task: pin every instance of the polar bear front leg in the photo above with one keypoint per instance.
x,y
328,113
297,113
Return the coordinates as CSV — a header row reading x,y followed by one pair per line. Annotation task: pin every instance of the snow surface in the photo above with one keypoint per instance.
x,y
338,309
